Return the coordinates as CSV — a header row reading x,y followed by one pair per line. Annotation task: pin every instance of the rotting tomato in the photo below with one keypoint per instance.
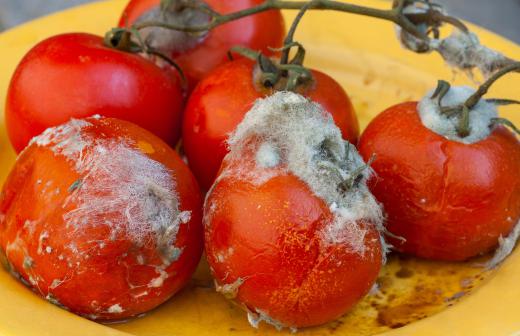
x,y
291,230
75,76
199,54
220,101
450,197
102,218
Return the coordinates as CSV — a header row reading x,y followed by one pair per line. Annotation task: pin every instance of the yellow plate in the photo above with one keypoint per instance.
x,y
364,55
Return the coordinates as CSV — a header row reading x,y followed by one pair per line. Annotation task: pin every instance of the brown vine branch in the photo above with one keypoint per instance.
x,y
121,39
290,35
483,89
394,15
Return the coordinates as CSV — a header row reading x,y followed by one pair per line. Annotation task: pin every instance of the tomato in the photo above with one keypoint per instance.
x,y
220,101
266,241
448,199
75,76
200,55
102,218
289,254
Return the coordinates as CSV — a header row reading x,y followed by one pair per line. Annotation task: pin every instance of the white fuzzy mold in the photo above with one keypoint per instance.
x,y
479,121
298,136
117,182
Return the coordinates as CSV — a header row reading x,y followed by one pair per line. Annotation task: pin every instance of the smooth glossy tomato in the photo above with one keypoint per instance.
x,y
220,101
282,237
200,56
449,200
75,76
102,218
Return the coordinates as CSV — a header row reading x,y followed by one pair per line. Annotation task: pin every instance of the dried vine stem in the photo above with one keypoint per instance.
x,y
394,15
483,89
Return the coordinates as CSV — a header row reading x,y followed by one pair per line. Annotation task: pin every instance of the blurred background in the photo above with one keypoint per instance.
x,y
500,16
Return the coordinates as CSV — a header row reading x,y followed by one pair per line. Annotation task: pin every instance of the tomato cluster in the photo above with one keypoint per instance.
x,y
102,217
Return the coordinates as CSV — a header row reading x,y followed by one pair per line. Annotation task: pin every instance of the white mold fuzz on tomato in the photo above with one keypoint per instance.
x,y
288,133
505,247
170,41
479,123
119,182
19,246
223,255
43,236
267,156
230,291
258,316
115,309
67,139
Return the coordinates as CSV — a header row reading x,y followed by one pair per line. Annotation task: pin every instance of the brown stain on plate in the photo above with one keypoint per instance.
x,y
410,289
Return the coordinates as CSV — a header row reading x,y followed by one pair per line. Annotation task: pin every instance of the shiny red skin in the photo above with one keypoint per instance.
x,y
270,237
220,101
96,276
75,76
257,32
449,200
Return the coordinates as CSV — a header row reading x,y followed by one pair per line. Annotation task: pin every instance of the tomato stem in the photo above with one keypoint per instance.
x,y
505,122
465,108
483,89
472,101
408,22
284,75
498,101
440,92
356,175
290,35
121,39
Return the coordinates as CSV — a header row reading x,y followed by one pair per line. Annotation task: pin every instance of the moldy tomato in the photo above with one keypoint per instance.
x,y
102,218
220,101
292,232
450,197
76,75
198,54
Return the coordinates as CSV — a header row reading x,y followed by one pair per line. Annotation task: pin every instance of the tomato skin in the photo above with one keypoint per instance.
x,y
268,239
449,200
94,270
75,76
257,32
220,101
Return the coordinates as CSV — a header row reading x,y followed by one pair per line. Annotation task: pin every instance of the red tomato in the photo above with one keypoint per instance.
x,y
102,218
220,101
449,200
257,32
265,249
291,257
75,75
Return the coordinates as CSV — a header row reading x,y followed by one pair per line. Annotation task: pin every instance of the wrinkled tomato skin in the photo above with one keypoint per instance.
x,y
220,101
269,239
92,269
75,76
257,32
449,200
